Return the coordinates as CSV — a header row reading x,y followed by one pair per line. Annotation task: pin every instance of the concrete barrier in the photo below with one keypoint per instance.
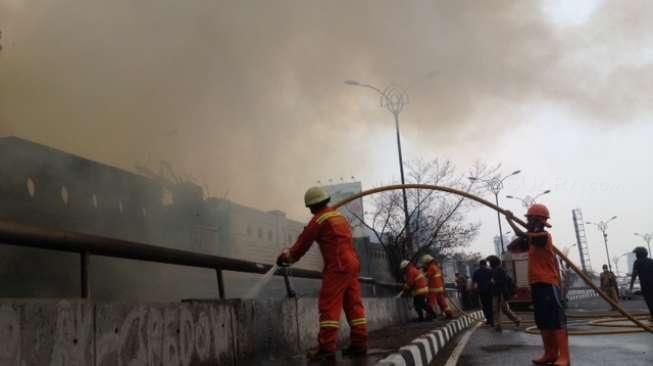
x,y
77,333
46,333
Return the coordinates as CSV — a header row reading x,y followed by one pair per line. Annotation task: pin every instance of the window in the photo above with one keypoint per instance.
x,y
120,206
260,233
144,210
270,235
94,200
64,195
31,187
249,230
167,198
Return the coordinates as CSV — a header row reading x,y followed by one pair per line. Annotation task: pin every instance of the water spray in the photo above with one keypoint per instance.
x,y
256,290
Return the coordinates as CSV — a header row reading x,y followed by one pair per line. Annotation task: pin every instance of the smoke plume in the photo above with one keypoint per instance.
x,y
248,96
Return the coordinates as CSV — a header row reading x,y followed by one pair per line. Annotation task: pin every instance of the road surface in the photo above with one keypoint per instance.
x,y
515,347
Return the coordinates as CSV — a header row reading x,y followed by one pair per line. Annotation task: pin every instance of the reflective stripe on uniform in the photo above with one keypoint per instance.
x,y
330,324
421,291
359,321
436,289
419,277
327,216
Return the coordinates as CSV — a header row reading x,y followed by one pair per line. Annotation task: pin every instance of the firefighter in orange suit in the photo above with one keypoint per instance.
x,y
544,279
437,295
416,284
340,286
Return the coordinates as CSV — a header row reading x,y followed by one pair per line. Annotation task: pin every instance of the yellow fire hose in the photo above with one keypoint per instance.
x,y
491,205
458,309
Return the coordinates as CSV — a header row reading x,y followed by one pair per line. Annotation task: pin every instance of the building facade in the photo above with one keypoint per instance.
x,y
50,188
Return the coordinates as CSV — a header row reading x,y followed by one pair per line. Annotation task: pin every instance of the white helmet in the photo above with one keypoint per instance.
x,y
426,258
315,195
404,264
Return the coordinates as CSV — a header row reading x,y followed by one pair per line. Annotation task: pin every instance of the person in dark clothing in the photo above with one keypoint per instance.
x,y
643,268
481,284
499,287
461,285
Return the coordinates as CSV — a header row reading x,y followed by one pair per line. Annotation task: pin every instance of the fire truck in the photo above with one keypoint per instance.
x,y
516,264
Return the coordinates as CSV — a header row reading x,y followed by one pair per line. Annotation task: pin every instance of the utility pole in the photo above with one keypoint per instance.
x,y
496,185
394,100
528,201
603,228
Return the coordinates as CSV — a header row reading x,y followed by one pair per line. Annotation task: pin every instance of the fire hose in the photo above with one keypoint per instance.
x,y
491,205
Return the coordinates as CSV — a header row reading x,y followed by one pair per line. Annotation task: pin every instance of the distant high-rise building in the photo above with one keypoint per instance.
x,y
581,239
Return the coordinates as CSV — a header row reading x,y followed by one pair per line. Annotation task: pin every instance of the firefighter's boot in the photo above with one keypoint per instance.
x,y
449,314
320,355
562,340
550,349
354,352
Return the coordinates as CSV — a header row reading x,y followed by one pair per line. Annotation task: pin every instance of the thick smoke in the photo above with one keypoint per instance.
x,y
248,96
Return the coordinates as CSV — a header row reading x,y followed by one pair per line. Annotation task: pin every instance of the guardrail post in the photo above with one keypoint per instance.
x,y
218,273
83,261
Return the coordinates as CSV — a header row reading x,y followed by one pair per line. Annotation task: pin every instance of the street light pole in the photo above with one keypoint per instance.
x,y
616,260
528,201
403,190
647,239
394,99
496,185
603,228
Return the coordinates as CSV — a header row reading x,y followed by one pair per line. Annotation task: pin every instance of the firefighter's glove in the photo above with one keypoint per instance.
x,y
283,260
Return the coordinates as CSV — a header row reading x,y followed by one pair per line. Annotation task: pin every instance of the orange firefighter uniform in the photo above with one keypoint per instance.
x,y
437,294
416,283
544,279
340,286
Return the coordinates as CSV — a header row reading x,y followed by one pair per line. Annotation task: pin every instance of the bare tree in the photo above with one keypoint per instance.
x,y
437,219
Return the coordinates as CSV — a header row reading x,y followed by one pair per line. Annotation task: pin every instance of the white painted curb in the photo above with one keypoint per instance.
x,y
422,350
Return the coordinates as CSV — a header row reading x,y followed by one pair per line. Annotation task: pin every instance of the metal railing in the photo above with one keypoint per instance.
x,y
23,235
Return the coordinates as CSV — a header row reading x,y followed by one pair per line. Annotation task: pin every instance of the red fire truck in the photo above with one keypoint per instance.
x,y
516,264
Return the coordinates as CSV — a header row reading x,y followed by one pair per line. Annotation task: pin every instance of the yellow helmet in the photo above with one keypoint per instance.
x,y
315,195
403,264
426,258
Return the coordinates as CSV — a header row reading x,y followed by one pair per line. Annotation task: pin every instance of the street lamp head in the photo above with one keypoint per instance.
x,y
613,217
472,178
516,172
352,82
509,196
589,223
547,191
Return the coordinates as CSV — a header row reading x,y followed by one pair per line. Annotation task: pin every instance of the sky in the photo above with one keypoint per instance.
x,y
248,97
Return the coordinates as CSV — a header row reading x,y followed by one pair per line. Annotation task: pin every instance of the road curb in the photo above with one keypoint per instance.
x,y
422,350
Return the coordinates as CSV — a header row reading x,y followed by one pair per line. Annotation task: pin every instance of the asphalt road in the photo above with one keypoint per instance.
x,y
515,347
